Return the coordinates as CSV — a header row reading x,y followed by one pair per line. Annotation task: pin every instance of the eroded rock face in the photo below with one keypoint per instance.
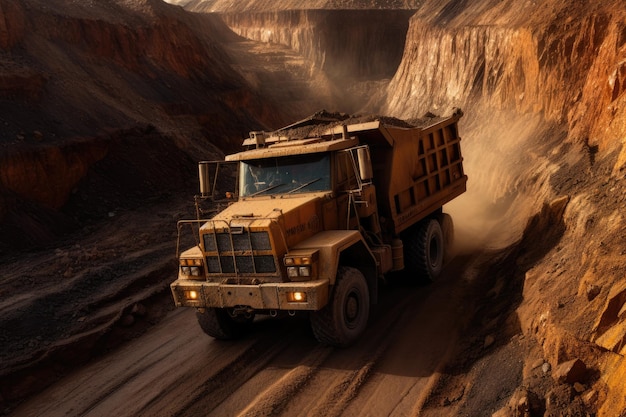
x,y
74,73
12,23
47,174
555,65
346,44
564,66
219,6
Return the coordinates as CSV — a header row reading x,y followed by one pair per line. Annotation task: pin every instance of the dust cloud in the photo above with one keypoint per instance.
x,y
507,178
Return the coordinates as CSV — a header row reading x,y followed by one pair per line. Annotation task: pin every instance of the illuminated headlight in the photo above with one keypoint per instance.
x,y
296,297
191,295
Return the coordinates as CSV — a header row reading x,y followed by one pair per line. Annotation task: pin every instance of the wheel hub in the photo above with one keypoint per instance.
x,y
352,308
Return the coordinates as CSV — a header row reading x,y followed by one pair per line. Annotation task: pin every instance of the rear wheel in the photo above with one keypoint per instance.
x,y
425,250
447,228
345,317
220,324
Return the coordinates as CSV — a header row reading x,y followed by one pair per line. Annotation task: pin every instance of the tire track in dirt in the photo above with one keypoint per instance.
x,y
305,378
277,370
152,375
323,380
273,401
375,343
271,338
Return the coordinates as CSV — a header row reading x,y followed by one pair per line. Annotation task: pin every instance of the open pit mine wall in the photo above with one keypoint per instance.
x,y
530,59
72,80
571,71
346,44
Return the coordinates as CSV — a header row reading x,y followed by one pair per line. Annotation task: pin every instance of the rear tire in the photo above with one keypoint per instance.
x,y
447,227
425,250
345,317
218,323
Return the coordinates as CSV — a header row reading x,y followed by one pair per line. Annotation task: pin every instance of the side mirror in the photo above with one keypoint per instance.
x,y
365,164
205,178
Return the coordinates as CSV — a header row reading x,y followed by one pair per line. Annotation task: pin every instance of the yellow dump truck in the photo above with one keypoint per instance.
x,y
321,210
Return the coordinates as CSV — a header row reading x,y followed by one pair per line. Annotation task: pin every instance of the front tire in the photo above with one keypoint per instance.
x,y
218,323
425,250
345,317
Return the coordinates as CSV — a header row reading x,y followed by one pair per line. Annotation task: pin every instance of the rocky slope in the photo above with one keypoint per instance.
x,y
525,79
74,76
221,6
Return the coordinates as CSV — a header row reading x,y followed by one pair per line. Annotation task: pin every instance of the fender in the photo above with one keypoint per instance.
x,y
345,247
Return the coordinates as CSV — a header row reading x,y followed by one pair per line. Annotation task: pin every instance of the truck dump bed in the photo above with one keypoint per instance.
x,y
427,166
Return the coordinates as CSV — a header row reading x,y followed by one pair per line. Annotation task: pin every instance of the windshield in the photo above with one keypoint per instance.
x,y
285,175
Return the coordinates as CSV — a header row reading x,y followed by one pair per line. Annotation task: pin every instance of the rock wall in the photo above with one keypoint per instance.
x,y
12,24
223,6
542,87
347,44
566,68
74,73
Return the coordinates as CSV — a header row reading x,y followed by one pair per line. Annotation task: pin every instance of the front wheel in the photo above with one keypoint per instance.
x,y
220,324
345,317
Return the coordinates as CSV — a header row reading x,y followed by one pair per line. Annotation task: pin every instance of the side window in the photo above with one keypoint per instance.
x,y
226,179
346,175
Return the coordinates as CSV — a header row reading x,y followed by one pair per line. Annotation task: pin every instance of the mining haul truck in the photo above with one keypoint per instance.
x,y
321,211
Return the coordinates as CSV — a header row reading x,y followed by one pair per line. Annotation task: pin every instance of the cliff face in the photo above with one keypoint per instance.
x,y
108,62
545,134
568,68
356,51
73,76
346,44
227,6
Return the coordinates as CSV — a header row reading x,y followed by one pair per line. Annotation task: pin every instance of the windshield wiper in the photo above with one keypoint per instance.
x,y
306,184
271,187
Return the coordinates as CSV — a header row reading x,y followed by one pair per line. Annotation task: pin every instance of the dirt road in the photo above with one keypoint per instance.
x,y
279,369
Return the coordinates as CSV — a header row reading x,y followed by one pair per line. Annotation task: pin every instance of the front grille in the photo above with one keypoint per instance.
x,y
239,253
263,264
221,242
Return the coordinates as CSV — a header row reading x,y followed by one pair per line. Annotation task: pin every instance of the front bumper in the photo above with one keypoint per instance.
x,y
270,296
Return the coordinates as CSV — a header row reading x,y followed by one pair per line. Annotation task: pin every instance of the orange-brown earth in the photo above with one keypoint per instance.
x,y
106,106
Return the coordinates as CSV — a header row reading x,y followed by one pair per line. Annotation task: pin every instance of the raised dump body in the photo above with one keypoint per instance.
x,y
323,209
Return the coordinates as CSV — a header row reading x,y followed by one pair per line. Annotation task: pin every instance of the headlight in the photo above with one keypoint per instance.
x,y
191,295
296,297
191,268
301,264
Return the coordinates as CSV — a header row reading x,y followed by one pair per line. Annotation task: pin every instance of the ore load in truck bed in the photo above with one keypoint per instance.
x,y
318,123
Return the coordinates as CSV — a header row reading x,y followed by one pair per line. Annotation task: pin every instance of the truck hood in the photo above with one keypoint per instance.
x,y
270,208
293,217
258,212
